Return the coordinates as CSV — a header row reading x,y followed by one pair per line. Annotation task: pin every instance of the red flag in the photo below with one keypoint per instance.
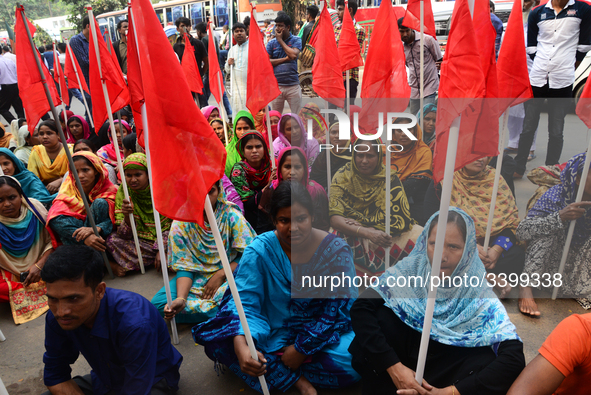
x,y
180,184
514,86
70,70
261,86
59,75
134,81
584,105
30,82
326,72
456,95
216,78
191,69
112,51
109,72
385,84
349,51
412,17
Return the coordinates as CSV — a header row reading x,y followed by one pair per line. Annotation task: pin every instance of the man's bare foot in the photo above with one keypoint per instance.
x,y
527,304
305,387
117,270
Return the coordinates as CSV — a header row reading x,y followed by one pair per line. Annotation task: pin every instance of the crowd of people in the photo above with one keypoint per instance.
x,y
289,214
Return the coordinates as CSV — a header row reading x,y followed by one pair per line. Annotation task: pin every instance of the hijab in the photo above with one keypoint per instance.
x,y
233,156
207,110
85,128
429,107
246,178
23,151
312,186
30,183
107,153
309,146
413,162
5,140
228,129
465,316
274,132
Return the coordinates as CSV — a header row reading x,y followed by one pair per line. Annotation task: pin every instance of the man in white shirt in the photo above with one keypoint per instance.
x,y
558,38
238,57
8,54
9,95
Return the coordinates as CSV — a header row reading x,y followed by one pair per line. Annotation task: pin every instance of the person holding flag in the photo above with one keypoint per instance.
x,y
183,25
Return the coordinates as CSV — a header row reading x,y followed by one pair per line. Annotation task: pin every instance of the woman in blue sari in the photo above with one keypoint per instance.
x,y
301,332
473,348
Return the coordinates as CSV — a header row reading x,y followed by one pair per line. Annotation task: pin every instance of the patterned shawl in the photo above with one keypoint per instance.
x,y
310,147
69,200
143,211
413,162
85,128
363,198
40,164
464,316
232,154
107,153
563,194
319,125
473,195
31,185
246,179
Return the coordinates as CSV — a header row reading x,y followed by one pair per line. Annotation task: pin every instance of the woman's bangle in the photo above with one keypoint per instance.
x,y
183,299
357,232
38,267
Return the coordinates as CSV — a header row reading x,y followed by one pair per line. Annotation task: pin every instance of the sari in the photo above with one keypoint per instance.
x,y
309,146
362,199
121,244
317,323
416,162
107,153
5,139
246,179
43,167
193,253
85,128
319,125
23,151
30,184
68,212
24,240
464,316
428,139
338,160
232,154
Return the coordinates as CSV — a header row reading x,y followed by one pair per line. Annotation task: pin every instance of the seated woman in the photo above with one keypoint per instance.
x,y
77,129
25,144
312,111
301,333
120,244
357,210
339,157
30,184
217,125
473,348
68,218
26,244
429,120
68,114
200,281
210,112
243,122
5,137
292,133
250,176
413,166
274,121
129,144
545,228
472,192
108,154
84,145
49,161
293,167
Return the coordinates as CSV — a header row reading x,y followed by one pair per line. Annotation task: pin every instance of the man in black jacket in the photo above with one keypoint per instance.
x,y
120,46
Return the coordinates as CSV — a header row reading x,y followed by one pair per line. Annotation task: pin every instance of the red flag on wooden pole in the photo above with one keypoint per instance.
x,y
134,82
191,69
584,105
216,78
349,50
412,17
70,69
59,75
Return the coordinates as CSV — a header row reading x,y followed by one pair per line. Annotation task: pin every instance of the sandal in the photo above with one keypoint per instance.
x,y
531,157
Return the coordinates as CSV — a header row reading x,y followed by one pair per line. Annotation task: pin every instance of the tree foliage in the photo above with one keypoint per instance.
x,y
296,9
35,9
77,10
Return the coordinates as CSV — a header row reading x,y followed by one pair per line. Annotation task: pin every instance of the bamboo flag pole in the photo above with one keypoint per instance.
x,y
388,197
493,200
65,144
270,137
328,164
223,110
233,289
571,227
159,238
348,84
114,137
81,90
55,74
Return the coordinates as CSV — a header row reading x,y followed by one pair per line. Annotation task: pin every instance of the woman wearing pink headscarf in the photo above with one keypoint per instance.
x,y
77,129
107,153
293,134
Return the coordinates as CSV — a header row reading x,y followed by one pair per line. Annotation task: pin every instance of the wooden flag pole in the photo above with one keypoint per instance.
x,y
55,74
348,84
571,227
493,200
114,138
232,285
388,197
81,90
270,137
159,238
65,144
422,63
450,161
328,164
222,109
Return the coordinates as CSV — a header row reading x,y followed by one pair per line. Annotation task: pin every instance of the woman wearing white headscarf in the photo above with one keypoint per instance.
x,y
25,143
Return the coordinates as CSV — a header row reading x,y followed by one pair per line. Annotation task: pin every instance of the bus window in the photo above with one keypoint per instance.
x,y
102,25
177,12
221,13
159,14
197,14
168,15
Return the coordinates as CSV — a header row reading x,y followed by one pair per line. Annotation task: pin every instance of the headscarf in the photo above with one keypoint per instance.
x,y
274,131
414,162
5,140
207,110
312,186
259,121
429,107
85,128
363,198
233,156
69,113
228,129
22,135
143,211
310,147
30,184
107,153
69,199
319,125
473,194
465,316
563,194
247,179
